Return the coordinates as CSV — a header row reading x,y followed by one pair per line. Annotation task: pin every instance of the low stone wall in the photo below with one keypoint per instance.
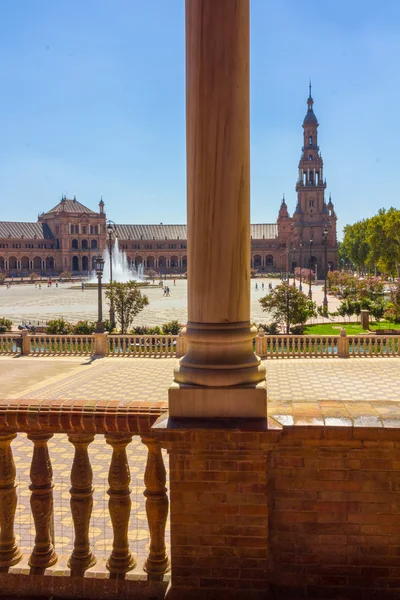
x,y
297,512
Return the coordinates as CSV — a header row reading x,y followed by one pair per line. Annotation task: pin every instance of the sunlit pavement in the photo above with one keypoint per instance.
x,y
27,303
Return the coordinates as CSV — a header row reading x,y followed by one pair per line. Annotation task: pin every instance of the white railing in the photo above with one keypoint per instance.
x,y
56,345
10,343
374,345
143,345
292,346
266,346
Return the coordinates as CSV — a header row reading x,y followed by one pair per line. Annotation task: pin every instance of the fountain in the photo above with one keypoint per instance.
x,y
121,270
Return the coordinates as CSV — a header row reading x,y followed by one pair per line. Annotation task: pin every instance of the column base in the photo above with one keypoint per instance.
x,y
201,402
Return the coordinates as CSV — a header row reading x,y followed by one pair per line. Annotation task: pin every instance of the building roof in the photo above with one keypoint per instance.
x,y
175,232
267,231
70,206
15,229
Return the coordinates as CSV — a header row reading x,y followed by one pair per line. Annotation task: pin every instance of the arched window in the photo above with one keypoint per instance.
x,y
93,244
84,244
310,140
76,228
74,244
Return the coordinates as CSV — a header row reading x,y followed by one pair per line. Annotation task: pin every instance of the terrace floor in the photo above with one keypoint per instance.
x,y
359,392
301,391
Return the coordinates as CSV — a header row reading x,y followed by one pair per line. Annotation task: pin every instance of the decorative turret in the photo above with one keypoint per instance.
x,y
101,205
283,211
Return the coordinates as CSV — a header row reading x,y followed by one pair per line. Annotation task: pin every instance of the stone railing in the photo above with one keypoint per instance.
x,y
373,345
281,346
145,345
81,421
329,346
55,345
87,345
10,343
266,346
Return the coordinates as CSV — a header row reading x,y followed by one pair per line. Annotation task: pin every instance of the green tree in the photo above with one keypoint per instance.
x,y
355,247
288,306
128,302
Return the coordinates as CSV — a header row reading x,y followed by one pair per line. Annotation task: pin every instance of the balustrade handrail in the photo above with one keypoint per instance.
x,y
158,345
82,420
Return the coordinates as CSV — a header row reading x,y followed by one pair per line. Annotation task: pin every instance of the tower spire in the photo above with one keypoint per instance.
x,y
309,87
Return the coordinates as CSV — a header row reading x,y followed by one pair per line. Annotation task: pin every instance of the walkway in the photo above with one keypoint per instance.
x,y
363,390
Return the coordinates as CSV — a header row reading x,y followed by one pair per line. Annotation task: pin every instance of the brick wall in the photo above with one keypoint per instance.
x,y
300,512
335,512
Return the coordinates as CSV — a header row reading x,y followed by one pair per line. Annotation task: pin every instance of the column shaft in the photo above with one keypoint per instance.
x,y
220,353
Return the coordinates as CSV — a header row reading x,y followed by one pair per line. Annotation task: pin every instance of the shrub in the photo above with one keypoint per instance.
x,y
269,328
5,325
2,277
171,328
151,274
59,327
34,276
83,327
297,330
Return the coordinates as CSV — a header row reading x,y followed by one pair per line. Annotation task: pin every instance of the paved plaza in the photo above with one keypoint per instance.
x,y
24,302
358,392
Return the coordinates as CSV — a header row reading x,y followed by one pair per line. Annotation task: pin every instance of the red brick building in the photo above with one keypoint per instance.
x,y
70,235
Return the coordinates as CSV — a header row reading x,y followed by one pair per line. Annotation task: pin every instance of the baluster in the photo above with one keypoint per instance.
x,y
156,507
121,559
43,554
9,551
81,491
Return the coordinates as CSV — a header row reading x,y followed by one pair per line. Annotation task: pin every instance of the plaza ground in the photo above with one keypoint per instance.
x,y
25,303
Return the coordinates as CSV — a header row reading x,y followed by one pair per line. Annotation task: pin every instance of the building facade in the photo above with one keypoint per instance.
x,y
69,236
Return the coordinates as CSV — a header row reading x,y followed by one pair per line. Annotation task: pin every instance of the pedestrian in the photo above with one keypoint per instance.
x,y
256,286
83,286
174,282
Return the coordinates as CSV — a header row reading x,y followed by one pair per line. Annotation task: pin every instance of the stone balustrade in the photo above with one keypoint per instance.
x,y
10,343
143,345
81,421
90,344
169,346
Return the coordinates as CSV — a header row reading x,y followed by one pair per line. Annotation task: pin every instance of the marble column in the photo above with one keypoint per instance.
x,y
220,375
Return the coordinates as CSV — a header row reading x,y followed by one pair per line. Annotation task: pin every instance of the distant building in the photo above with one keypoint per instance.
x,y
69,236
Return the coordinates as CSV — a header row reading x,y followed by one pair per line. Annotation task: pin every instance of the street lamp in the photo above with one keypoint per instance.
x,y
325,303
293,266
301,264
99,266
309,288
110,226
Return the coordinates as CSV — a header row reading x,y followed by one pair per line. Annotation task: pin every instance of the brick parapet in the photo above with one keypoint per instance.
x,y
295,512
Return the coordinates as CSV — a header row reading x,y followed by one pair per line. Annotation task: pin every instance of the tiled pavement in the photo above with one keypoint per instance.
x,y
356,391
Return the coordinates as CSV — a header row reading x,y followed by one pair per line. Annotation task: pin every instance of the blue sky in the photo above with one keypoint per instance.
x,y
93,103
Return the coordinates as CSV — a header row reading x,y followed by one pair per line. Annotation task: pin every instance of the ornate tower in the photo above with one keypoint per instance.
x,y
312,213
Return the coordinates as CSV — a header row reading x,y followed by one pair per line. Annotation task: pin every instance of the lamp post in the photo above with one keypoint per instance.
x,y
99,266
325,302
309,287
293,266
110,226
301,264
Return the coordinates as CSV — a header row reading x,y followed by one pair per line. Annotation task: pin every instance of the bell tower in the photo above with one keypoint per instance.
x,y
312,213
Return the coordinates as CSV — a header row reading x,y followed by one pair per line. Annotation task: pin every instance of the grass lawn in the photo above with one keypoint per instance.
x,y
351,328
